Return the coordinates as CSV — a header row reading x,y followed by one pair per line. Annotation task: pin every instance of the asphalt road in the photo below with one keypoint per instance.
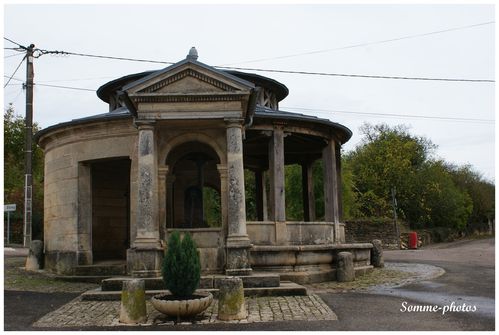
x,y
469,279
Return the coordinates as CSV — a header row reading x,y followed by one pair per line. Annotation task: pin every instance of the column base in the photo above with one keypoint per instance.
x,y
237,262
144,263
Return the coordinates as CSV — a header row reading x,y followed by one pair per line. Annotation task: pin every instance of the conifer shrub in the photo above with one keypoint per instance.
x,y
181,267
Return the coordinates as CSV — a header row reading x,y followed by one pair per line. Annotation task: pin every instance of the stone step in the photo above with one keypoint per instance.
x,y
285,289
255,280
100,270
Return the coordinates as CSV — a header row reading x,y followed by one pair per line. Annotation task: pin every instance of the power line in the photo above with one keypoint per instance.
x,y
11,41
321,110
77,79
57,52
279,71
364,44
359,75
66,87
13,55
17,68
393,115
57,86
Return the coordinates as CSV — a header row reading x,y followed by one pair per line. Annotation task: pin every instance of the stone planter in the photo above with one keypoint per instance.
x,y
169,305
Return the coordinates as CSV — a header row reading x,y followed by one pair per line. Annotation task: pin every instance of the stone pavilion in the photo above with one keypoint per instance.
x,y
117,183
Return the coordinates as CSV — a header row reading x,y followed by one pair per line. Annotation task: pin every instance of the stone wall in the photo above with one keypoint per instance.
x,y
360,231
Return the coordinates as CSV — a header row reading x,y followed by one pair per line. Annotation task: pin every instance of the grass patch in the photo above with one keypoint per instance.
x,y
18,279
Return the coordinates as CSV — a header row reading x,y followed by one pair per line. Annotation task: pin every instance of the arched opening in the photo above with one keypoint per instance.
x,y
195,189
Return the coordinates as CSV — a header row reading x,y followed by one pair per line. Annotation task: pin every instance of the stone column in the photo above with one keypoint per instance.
x,y
259,190
238,242
85,256
338,178
308,191
276,174
277,183
222,170
170,180
162,200
331,190
265,205
144,257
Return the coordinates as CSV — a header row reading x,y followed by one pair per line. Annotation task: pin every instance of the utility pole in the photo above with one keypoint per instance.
x,y
28,174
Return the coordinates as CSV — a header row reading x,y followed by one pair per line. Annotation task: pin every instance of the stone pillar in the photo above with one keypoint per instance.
x,y
338,179
84,226
308,191
231,304
170,179
345,270
265,205
133,302
276,174
238,242
144,257
377,259
162,200
35,256
331,190
259,190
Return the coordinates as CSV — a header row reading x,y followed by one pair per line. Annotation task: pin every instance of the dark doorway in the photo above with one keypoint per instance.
x,y
110,209
195,194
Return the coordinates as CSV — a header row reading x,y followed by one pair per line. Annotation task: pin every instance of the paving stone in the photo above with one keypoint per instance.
x,y
260,309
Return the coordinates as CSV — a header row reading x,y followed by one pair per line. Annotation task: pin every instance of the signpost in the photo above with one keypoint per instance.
x,y
9,208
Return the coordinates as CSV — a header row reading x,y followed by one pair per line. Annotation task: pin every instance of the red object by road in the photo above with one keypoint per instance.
x,y
413,240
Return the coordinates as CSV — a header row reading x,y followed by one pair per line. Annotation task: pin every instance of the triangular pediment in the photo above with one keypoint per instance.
x,y
188,81
188,77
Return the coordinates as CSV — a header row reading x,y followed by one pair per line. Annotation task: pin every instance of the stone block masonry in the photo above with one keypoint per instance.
x,y
364,231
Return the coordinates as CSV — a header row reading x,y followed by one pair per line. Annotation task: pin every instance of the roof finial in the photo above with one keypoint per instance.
x,y
193,54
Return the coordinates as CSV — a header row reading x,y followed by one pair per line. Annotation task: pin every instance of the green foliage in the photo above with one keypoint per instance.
x,y
181,267
318,176
250,195
481,192
211,204
293,195
14,139
350,202
442,203
388,157
427,195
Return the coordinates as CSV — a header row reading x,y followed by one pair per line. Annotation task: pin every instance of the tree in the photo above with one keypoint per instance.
x,y
440,202
427,195
14,136
481,192
387,158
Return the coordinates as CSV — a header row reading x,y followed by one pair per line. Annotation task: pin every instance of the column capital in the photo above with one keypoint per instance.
x,y
279,124
233,122
144,124
163,171
222,169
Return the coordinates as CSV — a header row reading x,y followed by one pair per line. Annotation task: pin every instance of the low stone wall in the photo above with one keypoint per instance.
x,y
362,231
308,263
292,233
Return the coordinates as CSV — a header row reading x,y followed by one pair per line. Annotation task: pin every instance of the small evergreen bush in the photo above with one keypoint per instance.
x,y
181,267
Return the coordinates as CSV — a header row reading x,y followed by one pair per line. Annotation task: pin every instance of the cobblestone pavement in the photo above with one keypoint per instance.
x,y
78,313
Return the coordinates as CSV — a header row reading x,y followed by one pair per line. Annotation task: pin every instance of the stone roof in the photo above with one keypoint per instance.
x,y
106,90
260,112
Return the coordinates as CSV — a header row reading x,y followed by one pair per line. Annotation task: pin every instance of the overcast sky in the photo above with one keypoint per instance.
x,y
237,35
